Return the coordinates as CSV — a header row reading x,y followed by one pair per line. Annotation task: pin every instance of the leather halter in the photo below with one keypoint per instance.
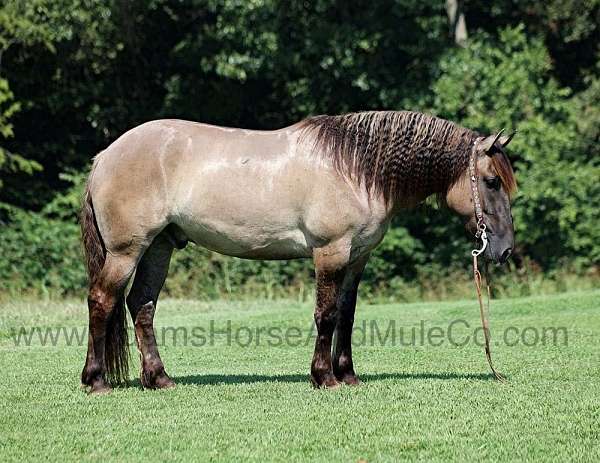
x,y
474,179
481,234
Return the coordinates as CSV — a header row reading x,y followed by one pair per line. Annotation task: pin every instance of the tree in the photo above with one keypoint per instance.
x,y
509,84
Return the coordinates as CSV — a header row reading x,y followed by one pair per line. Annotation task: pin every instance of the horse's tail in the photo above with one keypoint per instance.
x,y
116,351
93,245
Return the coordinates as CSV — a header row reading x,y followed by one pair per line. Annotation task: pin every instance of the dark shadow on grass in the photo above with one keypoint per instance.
x,y
212,379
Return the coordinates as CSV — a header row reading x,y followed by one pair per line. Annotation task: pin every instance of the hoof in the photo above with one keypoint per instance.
x,y
150,380
326,382
350,379
164,382
100,387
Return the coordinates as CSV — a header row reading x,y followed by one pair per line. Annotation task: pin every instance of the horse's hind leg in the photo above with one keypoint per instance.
x,y
107,338
149,279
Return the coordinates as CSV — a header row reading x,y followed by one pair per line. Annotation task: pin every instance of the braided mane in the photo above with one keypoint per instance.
x,y
394,153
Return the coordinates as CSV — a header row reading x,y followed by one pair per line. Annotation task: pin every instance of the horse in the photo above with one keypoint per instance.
x,y
324,188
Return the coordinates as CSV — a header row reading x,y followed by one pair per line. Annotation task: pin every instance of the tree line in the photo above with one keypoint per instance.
x,y
75,74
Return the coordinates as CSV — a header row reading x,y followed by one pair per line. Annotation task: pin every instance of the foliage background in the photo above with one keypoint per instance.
x,y
75,74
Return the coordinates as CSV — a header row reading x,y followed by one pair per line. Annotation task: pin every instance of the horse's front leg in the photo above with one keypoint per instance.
x,y
343,367
329,277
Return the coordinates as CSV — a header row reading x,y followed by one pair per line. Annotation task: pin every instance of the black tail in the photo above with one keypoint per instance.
x,y
116,351
93,246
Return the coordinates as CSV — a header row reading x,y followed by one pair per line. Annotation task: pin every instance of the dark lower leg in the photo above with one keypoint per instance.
x,y
343,368
152,374
104,303
328,286
149,279
100,306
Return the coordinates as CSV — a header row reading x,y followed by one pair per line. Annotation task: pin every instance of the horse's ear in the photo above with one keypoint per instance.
x,y
488,142
504,140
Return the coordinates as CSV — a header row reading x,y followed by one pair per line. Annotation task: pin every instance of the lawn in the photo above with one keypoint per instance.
x,y
431,399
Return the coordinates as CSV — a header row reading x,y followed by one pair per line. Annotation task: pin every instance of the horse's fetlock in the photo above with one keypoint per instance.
x,y
343,363
153,365
91,373
155,377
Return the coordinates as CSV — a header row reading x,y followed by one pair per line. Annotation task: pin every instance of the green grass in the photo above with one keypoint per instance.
x,y
420,402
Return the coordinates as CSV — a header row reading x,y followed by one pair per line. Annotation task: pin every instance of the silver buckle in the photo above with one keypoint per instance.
x,y
484,241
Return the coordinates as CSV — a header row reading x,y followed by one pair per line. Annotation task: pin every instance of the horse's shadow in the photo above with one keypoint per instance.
x,y
214,379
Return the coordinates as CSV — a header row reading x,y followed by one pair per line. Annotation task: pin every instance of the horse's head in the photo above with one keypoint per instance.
x,y
496,183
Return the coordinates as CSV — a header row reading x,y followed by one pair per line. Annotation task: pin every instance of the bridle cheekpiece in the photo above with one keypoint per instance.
x,y
474,178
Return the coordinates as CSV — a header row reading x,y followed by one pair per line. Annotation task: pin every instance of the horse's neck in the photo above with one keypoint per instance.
x,y
431,177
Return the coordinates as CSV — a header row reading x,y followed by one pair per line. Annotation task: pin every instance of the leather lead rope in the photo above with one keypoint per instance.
x,y
484,318
481,234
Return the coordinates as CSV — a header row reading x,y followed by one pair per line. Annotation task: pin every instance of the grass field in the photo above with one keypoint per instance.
x,y
418,401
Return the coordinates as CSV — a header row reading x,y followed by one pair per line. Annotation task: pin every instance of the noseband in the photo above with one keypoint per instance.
x,y
480,234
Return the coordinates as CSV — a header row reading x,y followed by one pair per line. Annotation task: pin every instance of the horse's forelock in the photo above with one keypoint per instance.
x,y
503,168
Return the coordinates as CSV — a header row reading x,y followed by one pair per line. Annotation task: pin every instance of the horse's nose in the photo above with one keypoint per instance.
x,y
505,255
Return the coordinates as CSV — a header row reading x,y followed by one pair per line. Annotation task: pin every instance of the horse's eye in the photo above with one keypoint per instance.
x,y
492,182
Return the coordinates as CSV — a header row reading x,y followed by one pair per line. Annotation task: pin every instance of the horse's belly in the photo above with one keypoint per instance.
x,y
249,241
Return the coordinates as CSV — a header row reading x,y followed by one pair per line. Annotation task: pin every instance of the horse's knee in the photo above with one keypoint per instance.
x,y
325,316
